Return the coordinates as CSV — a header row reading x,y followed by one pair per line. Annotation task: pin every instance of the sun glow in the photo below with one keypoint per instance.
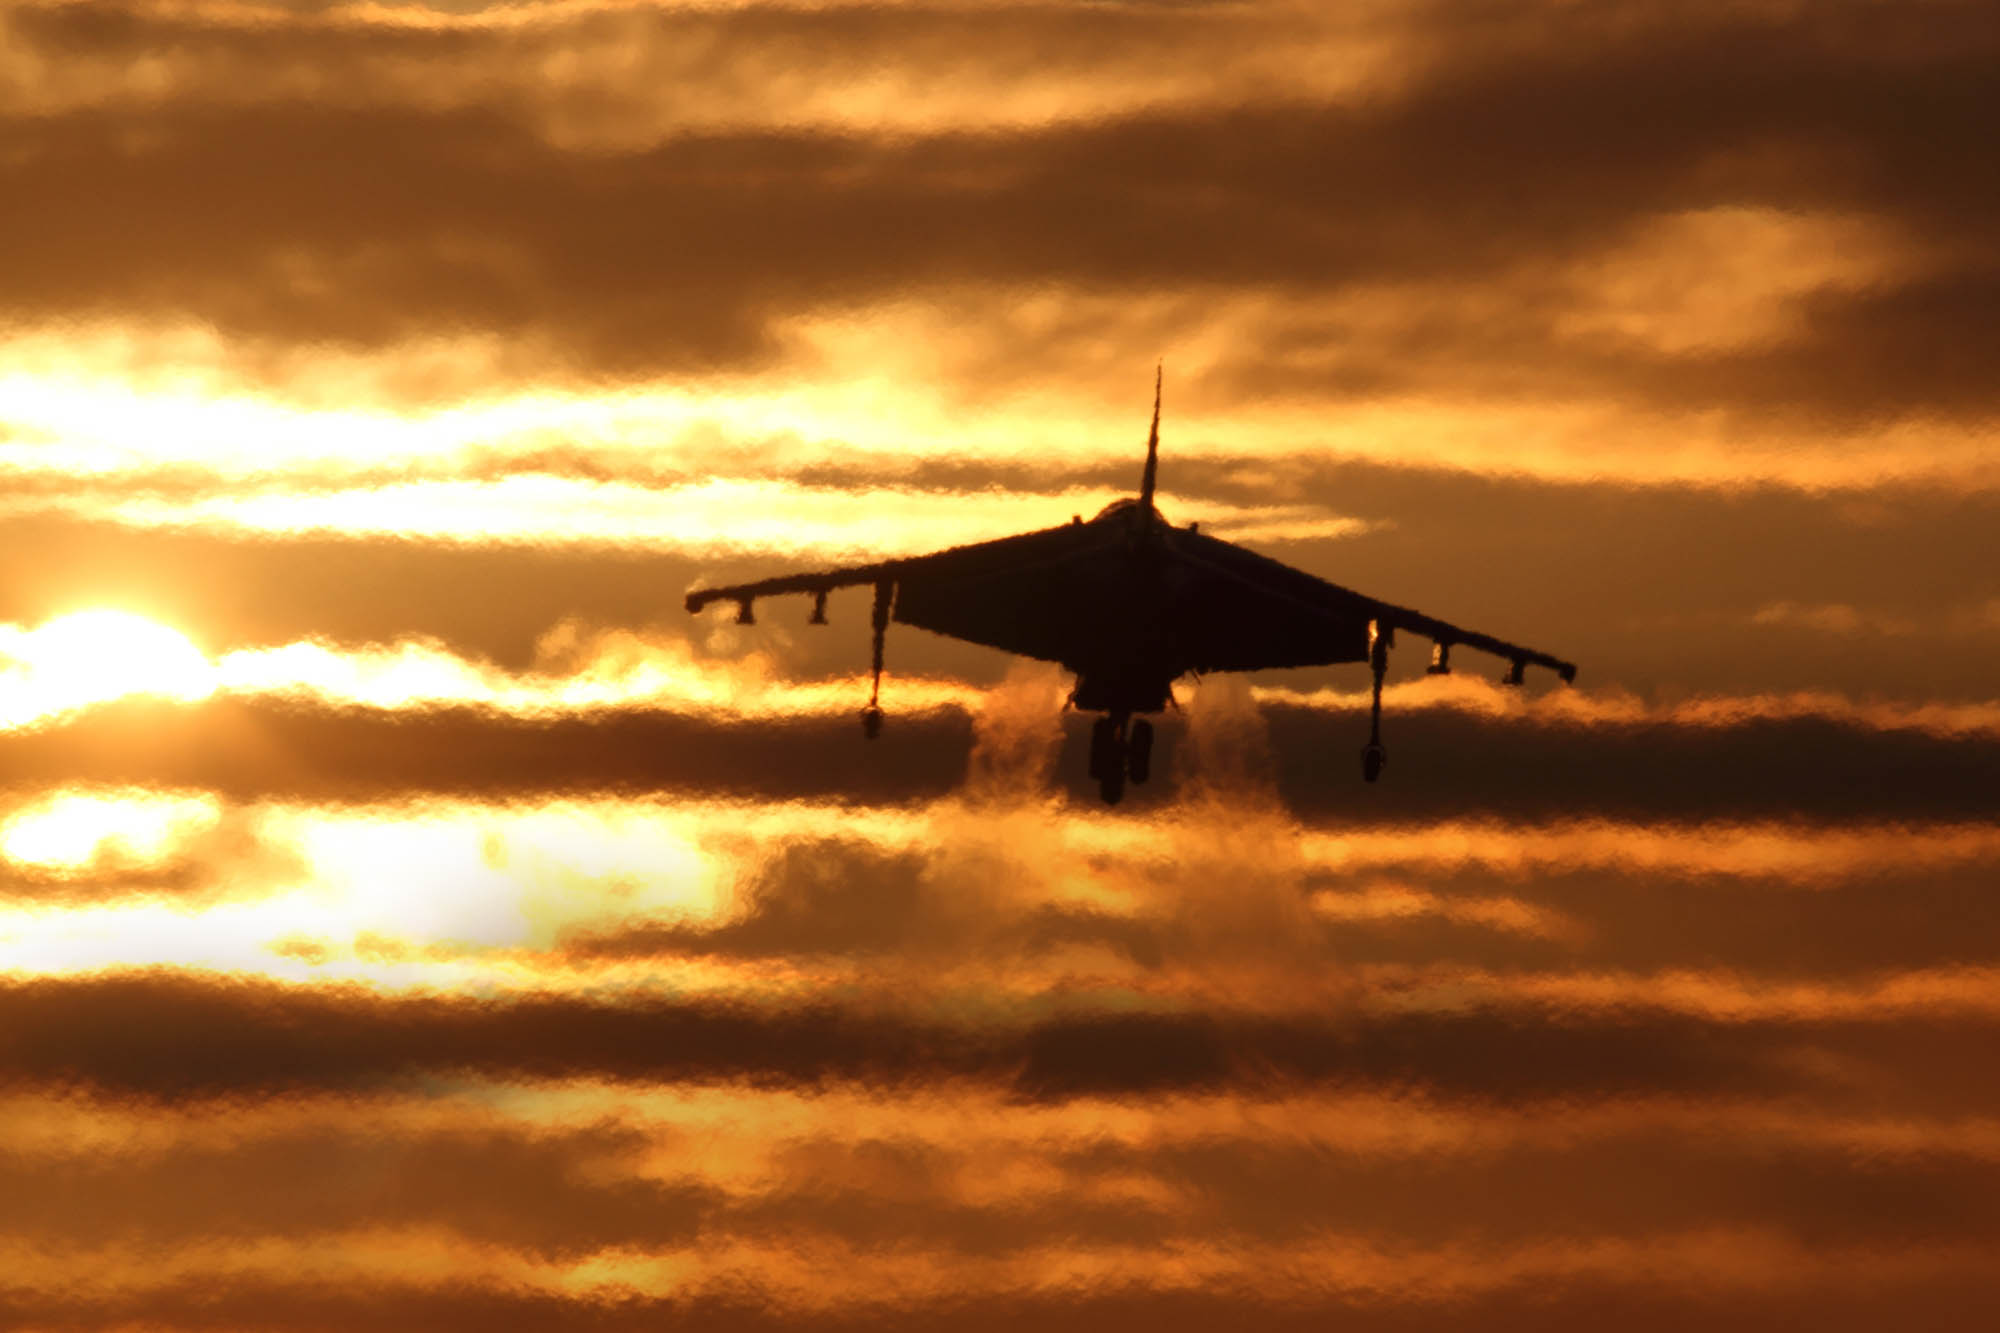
x,y
71,831
89,657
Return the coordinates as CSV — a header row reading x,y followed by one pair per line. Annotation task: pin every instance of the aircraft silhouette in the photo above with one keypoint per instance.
x,y
1129,604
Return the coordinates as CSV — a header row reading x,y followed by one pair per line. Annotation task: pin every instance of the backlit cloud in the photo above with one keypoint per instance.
x,y
410,918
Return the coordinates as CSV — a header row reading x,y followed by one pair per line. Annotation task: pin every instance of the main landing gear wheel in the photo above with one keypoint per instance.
x,y
1107,758
1139,751
1373,758
1104,748
1120,749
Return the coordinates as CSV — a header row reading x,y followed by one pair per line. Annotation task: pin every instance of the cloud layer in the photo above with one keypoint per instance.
x,y
409,918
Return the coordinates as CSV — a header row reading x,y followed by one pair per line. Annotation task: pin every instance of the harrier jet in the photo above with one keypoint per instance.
x,y
1129,604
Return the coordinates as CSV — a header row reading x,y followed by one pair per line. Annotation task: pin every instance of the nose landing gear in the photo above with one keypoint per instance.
x,y
1120,748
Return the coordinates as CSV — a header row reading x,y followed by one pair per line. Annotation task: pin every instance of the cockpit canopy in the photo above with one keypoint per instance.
x,y
1129,504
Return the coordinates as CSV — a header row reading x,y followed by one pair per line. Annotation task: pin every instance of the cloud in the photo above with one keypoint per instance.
x,y
606,75
74,663
1205,900
1818,758
410,918
1484,169
523,1190
1829,618
711,519
76,846
1861,1298
569,1202
1571,567
162,1036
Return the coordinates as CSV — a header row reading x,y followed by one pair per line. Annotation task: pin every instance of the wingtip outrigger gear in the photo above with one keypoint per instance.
x,y
1374,758
871,716
1382,636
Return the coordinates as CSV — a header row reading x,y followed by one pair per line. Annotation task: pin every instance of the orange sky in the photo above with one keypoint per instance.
x,y
410,918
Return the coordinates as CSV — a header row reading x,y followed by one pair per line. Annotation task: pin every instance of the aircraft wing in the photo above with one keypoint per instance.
x,y
1029,594
818,582
1272,615
1054,593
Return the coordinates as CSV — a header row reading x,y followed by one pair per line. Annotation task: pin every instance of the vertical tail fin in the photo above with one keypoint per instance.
x,y
1152,450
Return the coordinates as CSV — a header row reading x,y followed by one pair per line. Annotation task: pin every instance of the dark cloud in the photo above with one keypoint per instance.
x,y
168,1036
365,226
1929,343
1620,1184
819,897
1757,770
1863,1302
1891,917
534,1192
225,592
245,749
1448,764
165,1037
561,1194
1483,1055
633,72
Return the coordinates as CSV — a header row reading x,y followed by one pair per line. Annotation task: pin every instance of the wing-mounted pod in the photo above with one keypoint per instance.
x,y
1444,637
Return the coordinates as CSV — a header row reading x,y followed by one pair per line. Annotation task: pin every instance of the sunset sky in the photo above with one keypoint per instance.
x,y
411,919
